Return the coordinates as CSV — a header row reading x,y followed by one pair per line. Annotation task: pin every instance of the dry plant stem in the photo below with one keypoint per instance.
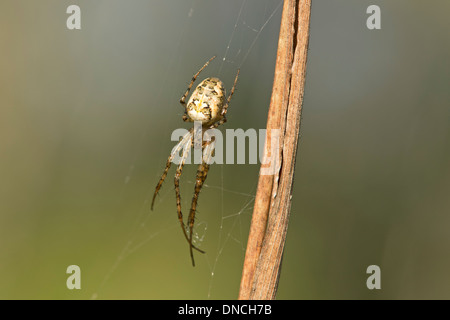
x,y
273,197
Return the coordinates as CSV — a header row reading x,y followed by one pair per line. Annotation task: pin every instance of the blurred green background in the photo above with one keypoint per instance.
x,y
85,123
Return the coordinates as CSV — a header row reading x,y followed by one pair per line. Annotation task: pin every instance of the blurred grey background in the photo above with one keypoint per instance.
x,y
85,123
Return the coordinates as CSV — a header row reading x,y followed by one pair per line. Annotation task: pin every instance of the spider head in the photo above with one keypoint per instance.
x,y
206,102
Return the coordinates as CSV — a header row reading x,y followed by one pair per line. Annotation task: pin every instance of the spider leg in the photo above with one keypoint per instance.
x,y
186,148
183,98
202,173
186,117
225,107
224,110
180,145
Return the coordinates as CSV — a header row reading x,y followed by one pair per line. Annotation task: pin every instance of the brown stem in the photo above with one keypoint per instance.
x,y
273,197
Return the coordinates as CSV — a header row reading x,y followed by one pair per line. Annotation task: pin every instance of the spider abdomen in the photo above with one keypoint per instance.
x,y
206,102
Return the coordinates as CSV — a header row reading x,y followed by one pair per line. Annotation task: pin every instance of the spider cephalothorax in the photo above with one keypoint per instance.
x,y
207,105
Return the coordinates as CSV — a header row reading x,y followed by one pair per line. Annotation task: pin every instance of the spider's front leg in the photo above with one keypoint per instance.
x,y
186,117
202,172
184,156
219,123
186,140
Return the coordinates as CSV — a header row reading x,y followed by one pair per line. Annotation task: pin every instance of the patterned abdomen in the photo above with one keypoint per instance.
x,y
206,102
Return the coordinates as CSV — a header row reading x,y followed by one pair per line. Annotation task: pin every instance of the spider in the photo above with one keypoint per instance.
x,y
207,105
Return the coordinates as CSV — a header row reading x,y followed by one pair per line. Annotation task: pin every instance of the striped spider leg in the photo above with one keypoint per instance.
x,y
206,105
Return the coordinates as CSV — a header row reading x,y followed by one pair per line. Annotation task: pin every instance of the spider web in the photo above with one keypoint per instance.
x,y
233,203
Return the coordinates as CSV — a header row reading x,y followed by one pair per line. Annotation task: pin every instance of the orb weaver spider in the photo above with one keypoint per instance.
x,y
206,105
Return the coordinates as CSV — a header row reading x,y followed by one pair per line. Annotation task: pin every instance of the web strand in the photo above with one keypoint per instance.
x,y
230,230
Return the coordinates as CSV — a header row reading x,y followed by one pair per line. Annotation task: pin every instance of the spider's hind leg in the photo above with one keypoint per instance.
x,y
184,96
